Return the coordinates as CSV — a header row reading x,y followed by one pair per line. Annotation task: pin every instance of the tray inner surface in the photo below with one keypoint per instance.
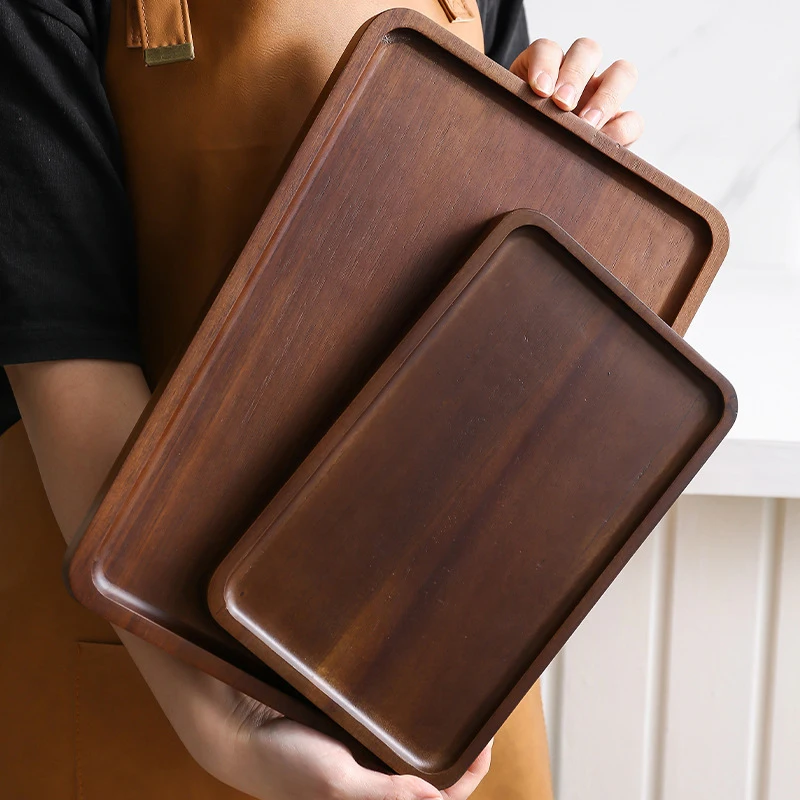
x,y
381,203
454,526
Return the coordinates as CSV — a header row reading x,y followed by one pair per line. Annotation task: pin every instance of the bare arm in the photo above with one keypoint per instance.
x,y
78,415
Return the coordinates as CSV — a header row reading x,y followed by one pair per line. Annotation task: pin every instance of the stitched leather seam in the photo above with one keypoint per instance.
x,y
184,14
133,24
143,6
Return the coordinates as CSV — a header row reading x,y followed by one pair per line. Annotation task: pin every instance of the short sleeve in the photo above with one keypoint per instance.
x,y
505,29
67,265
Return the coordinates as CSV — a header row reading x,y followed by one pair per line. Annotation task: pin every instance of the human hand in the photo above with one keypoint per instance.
x,y
281,760
570,80
251,748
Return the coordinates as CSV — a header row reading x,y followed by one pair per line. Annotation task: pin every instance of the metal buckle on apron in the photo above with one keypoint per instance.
x,y
162,29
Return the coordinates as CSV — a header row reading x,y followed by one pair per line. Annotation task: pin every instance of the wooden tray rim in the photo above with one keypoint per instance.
x,y
325,452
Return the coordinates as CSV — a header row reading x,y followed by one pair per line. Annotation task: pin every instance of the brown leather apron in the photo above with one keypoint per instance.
x,y
204,142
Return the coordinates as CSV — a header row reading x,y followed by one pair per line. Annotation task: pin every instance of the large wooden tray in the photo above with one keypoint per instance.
x,y
417,573
419,143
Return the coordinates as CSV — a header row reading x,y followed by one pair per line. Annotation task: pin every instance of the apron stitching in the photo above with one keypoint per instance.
x,y
184,11
144,19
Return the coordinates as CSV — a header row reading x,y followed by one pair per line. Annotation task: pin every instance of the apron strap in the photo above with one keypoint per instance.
x,y
161,28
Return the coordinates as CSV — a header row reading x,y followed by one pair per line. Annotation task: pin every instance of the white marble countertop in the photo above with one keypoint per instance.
x,y
720,92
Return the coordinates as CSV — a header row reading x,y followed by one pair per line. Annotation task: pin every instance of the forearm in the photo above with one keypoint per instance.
x,y
78,416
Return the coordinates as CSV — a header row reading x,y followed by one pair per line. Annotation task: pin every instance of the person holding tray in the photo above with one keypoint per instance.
x,y
117,218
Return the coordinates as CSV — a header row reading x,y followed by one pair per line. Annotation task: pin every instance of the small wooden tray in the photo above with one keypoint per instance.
x,y
439,545
419,143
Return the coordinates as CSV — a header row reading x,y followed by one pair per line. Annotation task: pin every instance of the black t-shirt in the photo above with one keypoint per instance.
x,y
67,267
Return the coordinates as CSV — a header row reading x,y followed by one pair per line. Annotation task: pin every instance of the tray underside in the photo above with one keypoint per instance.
x,y
420,142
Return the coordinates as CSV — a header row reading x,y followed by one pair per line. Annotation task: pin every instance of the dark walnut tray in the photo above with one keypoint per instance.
x,y
417,573
419,142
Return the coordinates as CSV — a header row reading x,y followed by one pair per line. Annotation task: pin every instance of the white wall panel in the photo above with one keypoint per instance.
x,y
684,681
606,668
712,655
782,778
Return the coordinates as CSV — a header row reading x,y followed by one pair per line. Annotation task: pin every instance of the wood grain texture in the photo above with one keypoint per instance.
x,y
413,575
418,143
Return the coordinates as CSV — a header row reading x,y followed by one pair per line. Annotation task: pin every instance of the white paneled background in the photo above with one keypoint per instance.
x,y
684,682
